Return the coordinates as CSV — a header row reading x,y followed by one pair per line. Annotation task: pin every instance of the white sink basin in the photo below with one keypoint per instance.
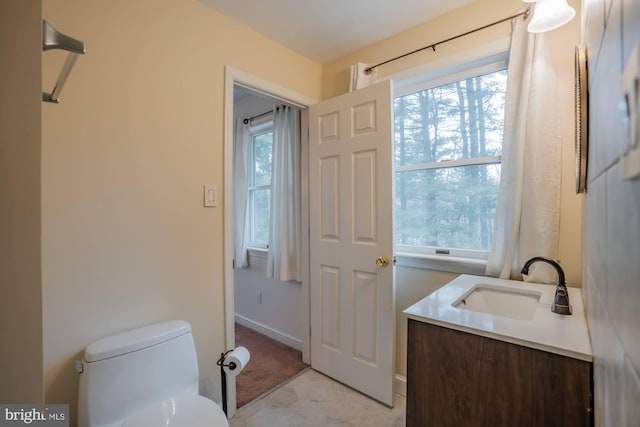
x,y
519,304
508,310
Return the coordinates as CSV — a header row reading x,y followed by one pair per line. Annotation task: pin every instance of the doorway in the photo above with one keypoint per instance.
x,y
269,312
363,119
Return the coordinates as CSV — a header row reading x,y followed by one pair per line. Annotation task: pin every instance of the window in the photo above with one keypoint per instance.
x,y
447,149
259,191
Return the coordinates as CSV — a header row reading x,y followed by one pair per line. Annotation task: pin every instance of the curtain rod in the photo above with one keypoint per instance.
x,y
368,70
247,120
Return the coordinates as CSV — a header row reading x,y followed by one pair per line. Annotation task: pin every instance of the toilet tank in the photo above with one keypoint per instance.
x,y
126,372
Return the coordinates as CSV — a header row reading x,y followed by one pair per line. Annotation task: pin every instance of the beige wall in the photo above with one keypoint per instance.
x,y
139,130
20,280
612,218
413,284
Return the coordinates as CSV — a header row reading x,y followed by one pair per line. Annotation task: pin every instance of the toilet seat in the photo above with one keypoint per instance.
x,y
188,411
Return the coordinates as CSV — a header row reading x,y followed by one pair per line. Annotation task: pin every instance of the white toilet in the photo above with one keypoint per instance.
x,y
145,377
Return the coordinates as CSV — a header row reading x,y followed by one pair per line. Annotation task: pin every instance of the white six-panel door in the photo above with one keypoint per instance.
x,y
351,214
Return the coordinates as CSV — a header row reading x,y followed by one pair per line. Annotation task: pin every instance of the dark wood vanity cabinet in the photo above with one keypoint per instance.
x,y
460,379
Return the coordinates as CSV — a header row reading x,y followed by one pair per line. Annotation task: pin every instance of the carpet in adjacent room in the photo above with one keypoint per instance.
x,y
271,364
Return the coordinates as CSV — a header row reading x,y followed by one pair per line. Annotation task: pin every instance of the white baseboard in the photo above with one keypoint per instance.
x,y
400,385
285,339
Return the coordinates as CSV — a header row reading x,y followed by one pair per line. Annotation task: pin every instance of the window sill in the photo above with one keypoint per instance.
x,y
442,263
257,252
428,262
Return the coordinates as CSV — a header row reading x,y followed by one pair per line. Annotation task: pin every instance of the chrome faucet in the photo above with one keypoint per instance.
x,y
561,301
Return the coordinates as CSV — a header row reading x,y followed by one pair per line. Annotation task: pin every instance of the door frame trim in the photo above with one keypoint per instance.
x,y
236,77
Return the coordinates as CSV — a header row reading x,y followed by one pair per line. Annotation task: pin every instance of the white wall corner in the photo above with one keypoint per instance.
x,y
281,337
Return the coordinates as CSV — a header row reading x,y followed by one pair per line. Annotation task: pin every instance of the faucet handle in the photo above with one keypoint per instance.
x,y
561,301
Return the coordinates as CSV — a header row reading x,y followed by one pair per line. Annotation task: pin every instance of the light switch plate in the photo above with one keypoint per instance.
x,y
210,196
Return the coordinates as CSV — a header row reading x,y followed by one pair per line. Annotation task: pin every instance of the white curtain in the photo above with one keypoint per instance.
x,y
527,218
359,78
241,146
283,262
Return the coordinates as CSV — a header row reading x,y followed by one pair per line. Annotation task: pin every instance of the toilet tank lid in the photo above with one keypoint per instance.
x,y
135,339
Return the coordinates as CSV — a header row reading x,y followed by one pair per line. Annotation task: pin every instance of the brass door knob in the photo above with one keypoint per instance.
x,y
382,261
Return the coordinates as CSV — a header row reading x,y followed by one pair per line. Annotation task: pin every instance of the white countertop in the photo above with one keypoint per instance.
x,y
556,333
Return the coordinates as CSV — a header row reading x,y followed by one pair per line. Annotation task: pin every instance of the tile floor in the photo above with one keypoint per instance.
x,y
312,399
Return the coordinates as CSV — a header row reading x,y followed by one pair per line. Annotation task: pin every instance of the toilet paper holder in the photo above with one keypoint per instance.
x,y
232,367
223,377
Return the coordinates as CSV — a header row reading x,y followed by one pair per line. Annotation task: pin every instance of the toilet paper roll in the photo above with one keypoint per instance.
x,y
236,360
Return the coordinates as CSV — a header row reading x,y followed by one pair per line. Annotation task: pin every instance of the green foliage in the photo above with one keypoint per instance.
x,y
262,156
260,207
449,207
259,191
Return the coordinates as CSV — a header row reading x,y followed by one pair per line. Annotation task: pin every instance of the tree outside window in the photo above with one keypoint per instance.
x,y
448,147
260,185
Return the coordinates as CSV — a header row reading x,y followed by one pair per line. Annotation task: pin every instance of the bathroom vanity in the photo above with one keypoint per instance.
x,y
489,352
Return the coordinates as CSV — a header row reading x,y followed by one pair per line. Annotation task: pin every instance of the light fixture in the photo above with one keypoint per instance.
x,y
549,15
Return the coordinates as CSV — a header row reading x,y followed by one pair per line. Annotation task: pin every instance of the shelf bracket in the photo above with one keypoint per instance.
x,y
53,39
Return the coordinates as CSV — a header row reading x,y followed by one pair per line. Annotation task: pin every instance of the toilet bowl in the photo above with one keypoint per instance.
x,y
145,377
193,411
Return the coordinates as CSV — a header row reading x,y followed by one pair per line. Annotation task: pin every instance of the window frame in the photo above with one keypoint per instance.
x,y
467,261
261,127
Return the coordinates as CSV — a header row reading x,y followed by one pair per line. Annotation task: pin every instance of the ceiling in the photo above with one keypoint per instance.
x,y
324,30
